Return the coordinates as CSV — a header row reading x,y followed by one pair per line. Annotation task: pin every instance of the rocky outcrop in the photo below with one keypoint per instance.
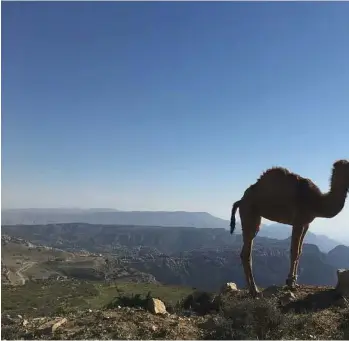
x,y
208,269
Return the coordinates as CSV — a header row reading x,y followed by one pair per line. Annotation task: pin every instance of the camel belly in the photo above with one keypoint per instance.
x,y
279,213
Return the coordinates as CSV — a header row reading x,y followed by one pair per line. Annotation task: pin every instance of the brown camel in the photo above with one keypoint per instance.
x,y
287,198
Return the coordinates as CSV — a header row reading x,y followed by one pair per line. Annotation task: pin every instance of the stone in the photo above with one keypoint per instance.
x,y
58,324
38,319
228,287
52,325
343,282
156,306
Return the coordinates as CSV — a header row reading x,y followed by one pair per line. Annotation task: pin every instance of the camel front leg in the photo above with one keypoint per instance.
x,y
297,237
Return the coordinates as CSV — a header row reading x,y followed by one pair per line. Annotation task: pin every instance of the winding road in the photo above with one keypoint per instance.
x,y
26,266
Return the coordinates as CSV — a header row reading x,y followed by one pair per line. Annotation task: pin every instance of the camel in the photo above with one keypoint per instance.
x,y
287,198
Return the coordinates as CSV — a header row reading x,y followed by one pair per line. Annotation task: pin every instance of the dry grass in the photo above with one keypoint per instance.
x,y
238,317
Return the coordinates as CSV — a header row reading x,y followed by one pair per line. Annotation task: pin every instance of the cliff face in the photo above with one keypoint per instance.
x,y
208,269
104,237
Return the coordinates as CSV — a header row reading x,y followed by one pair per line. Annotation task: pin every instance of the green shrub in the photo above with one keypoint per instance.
x,y
248,319
201,302
132,301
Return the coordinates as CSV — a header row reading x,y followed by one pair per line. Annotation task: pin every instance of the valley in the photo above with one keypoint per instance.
x,y
198,257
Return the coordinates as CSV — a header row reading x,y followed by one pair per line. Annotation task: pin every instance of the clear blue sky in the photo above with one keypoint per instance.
x,y
172,105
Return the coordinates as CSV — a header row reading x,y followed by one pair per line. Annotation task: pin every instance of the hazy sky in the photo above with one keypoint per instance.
x,y
170,106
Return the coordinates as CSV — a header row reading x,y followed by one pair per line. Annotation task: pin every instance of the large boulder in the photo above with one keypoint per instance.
x,y
343,282
156,306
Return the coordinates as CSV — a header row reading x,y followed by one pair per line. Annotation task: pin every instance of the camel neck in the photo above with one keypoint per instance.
x,y
333,202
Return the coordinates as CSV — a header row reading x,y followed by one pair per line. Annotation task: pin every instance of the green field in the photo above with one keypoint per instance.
x,y
55,297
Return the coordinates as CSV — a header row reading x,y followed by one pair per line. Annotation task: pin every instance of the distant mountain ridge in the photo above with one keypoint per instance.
x,y
281,231
107,216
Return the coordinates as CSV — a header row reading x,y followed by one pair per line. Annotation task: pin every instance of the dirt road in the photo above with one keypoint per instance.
x,y
26,266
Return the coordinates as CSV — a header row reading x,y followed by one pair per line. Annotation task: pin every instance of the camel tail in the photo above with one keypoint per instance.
x,y
232,219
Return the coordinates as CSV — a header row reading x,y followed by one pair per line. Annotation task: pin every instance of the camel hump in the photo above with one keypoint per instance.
x,y
276,172
271,177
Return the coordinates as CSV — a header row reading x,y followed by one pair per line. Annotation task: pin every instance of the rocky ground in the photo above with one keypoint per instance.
x,y
308,313
100,297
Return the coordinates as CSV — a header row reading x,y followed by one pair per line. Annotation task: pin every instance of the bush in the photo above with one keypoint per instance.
x,y
201,302
132,301
247,319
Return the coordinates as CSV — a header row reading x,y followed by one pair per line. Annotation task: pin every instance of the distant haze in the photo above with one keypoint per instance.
x,y
174,219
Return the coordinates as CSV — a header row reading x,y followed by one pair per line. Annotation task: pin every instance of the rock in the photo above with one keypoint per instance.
x,y
228,287
36,319
58,324
156,306
25,322
343,282
52,325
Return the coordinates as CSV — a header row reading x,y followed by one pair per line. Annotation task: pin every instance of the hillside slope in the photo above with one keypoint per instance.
x,y
88,311
173,255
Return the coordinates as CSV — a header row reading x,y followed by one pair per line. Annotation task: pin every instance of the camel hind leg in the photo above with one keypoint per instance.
x,y
250,223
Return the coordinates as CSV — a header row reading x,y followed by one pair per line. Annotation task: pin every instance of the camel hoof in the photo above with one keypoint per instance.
x,y
291,284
